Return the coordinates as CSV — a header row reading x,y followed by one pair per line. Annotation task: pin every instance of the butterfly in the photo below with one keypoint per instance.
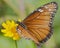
x,y
38,25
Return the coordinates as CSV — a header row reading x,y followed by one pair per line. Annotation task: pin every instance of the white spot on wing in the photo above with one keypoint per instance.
x,y
52,12
46,7
54,9
40,10
50,9
54,5
19,31
51,17
51,22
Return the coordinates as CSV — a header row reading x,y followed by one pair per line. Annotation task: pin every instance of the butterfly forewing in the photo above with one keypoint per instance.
x,y
39,23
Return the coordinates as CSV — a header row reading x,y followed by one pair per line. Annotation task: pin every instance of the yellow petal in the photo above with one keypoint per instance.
x,y
3,30
4,25
8,22
10,34
15,38
19,20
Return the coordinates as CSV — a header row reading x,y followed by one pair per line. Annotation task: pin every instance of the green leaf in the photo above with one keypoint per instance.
x,y
25,43
6,42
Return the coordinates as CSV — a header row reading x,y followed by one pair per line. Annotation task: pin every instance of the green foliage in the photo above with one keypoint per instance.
x,y
19,9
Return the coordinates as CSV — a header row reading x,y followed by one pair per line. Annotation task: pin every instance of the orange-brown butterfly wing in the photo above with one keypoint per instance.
x,y
39,23
26,34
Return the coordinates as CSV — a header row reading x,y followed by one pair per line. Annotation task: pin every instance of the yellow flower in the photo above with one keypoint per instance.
x,y
9,29
19,20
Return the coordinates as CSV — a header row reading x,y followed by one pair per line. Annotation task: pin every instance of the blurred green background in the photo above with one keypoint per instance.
x,y
19,9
